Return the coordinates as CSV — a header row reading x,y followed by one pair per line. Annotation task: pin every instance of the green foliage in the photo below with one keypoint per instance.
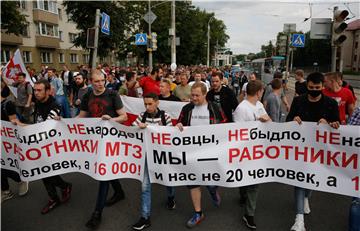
x,y
12,21
127,20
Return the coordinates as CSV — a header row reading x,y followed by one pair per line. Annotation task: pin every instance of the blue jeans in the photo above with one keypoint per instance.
x,y
103,192
146,194
300,194
64,104
354,216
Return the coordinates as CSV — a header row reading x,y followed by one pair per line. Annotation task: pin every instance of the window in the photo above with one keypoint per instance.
x,y
72,37
61,35
86,58
25,31
47,29
356,45
5,56
27,56
61,58
46,5
74,58
59,13
21,4
46,57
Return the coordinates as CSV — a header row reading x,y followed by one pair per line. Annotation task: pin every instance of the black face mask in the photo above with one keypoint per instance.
x,y
158,78
314,93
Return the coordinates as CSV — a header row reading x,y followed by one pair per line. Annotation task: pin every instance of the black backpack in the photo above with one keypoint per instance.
x,y
162,116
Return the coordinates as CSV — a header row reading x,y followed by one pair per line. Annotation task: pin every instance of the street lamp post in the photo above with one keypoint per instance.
x,y
150,51
208,44
173,41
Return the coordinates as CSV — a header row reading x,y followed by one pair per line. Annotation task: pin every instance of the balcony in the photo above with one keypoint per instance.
x,y
11,39
44,16
47,42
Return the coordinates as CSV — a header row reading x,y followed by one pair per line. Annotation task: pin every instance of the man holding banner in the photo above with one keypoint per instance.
x,y
107,105
251,109
312,107
152,116
200,112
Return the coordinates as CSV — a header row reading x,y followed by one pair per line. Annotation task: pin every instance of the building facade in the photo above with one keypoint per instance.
x,y
351,47
48,38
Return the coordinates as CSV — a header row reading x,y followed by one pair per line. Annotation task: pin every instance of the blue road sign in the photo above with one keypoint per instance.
x,y
298,40
105,23
140,39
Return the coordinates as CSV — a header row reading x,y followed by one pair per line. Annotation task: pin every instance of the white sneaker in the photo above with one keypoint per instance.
x,y
306,206
299,225
23,188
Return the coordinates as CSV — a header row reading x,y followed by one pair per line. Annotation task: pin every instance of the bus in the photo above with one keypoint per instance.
x,y
265,67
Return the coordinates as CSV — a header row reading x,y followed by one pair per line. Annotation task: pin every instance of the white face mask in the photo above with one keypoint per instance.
x,y
122,78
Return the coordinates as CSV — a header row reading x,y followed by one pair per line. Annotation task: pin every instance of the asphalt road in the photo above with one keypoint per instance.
x,y
275,210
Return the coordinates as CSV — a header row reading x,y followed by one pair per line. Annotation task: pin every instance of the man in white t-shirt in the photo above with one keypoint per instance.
x,y
200,112
198,79
243,90
251,109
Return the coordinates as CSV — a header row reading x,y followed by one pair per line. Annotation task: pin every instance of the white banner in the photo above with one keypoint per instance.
x,y
230,155
101,149
12,69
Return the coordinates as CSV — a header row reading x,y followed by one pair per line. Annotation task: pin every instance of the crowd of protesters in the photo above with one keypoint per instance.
x,y
213,95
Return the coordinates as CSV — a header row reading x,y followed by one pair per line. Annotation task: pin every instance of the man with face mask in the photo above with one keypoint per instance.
x,y
151,84
313,107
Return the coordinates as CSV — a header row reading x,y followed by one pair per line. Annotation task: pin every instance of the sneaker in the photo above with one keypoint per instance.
x,y
50,206
94,221
195,220
6,195
249,221
216,199
306,206
23,188
171,204
115,198
142,224
299,225
66,193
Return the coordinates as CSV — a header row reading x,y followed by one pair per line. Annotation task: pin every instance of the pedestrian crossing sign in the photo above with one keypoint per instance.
x,y
140,39
298,40
105,23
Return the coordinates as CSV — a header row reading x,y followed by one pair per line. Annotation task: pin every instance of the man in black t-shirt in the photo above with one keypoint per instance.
x,y
165,93
300,84
107,105
46,108
312,107
222,96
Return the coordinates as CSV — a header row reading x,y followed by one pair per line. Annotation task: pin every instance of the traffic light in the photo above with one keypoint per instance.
x,y
339,26
149,43
90,38
154,41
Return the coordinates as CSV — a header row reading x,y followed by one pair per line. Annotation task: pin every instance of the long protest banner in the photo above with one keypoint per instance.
x,y
230,155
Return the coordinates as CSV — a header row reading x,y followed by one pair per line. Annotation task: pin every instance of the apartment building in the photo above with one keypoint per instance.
x,y
351,47
48,38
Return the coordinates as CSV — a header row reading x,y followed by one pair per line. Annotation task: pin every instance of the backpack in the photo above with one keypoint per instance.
x,y
162,116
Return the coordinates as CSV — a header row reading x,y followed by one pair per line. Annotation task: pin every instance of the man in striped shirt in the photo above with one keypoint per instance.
x,y
152,116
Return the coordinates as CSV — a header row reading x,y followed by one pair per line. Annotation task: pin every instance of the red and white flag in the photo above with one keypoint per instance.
x,y
12,69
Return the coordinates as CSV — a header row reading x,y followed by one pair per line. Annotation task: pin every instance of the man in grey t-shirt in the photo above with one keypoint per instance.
x,y
273,101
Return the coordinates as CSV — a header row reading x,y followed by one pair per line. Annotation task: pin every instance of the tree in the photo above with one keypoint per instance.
x,y
12,21
124,17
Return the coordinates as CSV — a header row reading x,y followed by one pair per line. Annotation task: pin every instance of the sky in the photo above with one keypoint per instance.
x,y
251,24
